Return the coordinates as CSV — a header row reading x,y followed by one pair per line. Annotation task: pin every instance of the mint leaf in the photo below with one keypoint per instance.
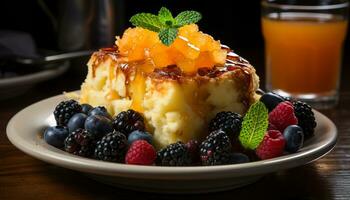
x,y
187,17
166,17
254,126
147,21
167,36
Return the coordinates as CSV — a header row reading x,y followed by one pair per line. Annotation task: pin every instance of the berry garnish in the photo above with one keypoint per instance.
x,y
100,110
306,118
56,135
128,121
80,142
174,155
229,122
112,147
216,149
294,137
237,158
271,100
141,152
76,121
98,125
65,110
272,145
85,108
140,135
193,150
283,116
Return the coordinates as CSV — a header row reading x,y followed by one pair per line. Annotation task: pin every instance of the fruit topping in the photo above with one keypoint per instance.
x,y
283,116
141,152
294,137
140,135
229,122
112,147
216,149
171,41
65,110
174,155
98,125
76,121
100,110
56,135
272,145
194,151
80,142
306,118
271,100
128,121
85,108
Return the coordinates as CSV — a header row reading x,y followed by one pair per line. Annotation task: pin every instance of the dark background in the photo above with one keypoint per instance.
x,y
235,23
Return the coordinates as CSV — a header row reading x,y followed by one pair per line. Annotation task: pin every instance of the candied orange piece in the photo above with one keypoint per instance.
x,y
160,55
187,65
187,49
204,60
219,56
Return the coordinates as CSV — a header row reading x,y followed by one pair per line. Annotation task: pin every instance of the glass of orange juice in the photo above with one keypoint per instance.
x,y
303,48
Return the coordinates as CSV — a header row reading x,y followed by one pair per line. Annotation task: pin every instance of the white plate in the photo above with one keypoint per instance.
x,y
25,130
11,87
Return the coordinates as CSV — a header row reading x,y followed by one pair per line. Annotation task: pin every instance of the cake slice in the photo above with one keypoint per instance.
x,y
178,88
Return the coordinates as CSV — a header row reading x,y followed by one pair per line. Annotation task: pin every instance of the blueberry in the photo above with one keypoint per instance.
x,y
55,135
239,158
294,137
140,135
85,108
76,121
98,125
271,100
100,110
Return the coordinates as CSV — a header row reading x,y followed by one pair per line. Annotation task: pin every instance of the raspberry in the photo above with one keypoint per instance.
x,y
282,116
272,145
141,153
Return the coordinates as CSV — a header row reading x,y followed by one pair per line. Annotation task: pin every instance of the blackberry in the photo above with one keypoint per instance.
x,y
229,122
216,149
193,149
128,121
80,142
112,147
174,155
65,110
306,118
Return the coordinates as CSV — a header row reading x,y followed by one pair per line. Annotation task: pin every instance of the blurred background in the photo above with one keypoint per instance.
x,y
75,25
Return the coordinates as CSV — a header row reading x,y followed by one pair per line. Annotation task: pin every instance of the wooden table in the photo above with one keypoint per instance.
x,y
23,177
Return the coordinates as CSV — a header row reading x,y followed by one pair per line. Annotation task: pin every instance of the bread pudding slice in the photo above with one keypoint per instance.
x,y
177,99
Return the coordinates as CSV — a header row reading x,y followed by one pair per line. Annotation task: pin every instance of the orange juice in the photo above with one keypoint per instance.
x,y
303,52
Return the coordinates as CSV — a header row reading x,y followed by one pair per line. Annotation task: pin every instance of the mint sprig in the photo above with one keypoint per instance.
x,y
254,126
164,23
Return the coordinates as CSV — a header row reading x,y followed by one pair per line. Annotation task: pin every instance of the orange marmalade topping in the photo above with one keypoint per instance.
x,y
191,50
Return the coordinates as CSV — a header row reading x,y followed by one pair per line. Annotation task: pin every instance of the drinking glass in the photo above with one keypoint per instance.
x,y
303,48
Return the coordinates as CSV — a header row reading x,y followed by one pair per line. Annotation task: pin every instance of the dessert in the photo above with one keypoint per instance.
x,y
177,88
170,95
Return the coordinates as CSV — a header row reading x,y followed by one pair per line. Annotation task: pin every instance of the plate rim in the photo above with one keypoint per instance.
x,y
66,160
